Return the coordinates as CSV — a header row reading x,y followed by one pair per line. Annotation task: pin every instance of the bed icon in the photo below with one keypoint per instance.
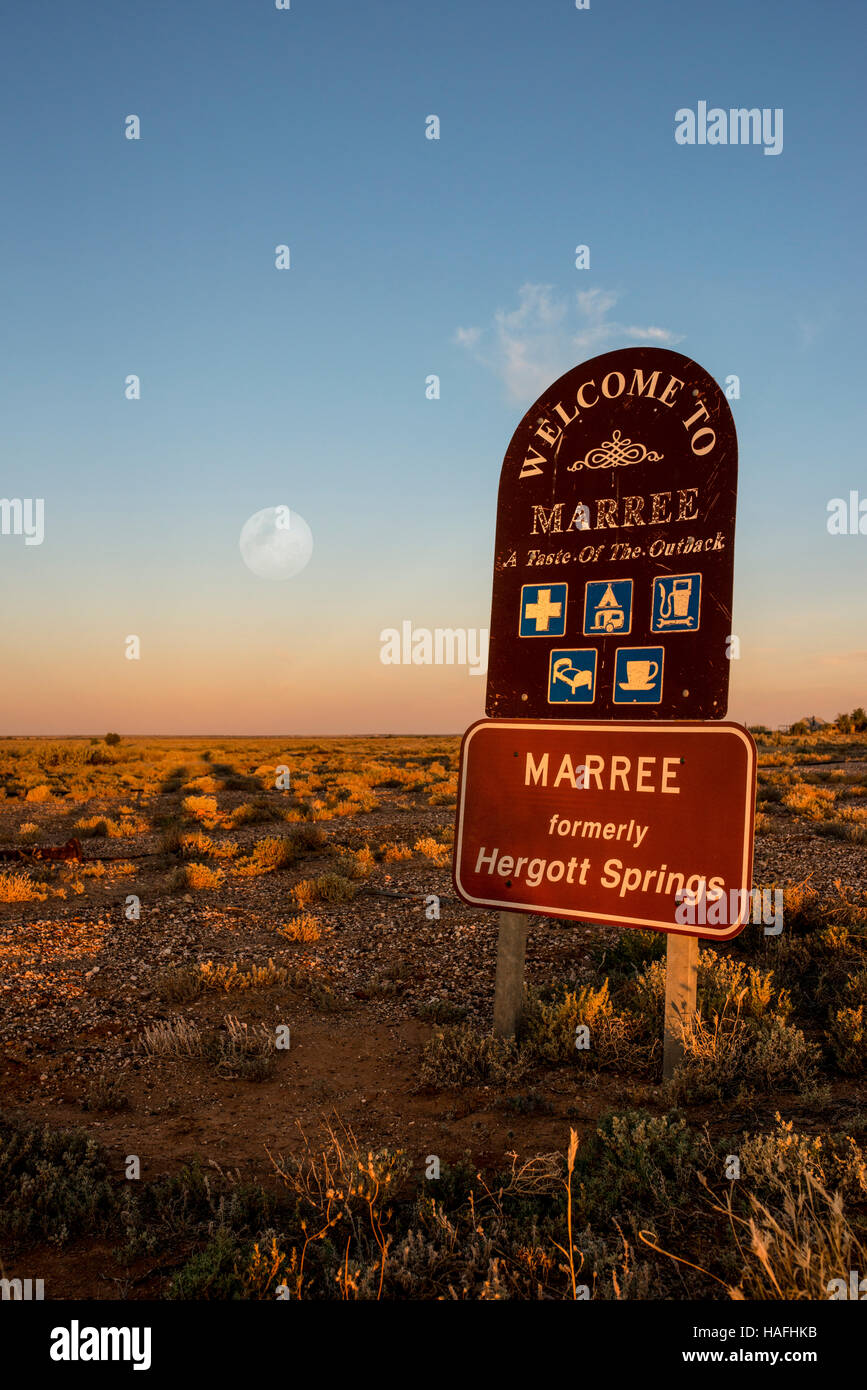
x,y
572,677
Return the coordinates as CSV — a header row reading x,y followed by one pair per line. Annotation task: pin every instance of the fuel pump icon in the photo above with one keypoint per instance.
x,y
676,603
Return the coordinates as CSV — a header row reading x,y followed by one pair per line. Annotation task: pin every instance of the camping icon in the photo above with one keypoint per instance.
x,y
572,677
607,606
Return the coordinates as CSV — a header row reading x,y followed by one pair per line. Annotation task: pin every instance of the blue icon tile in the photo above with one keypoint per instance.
x,y
676,603
638,675
543,610
607,607
572,677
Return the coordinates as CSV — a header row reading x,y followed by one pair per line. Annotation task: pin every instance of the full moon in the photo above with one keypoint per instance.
x,y
276,543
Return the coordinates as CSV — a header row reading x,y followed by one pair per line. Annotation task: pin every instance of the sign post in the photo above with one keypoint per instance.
x,y
509,986
681,984
613,577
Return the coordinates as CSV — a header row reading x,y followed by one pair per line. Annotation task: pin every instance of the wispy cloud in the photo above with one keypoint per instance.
x,y
530,346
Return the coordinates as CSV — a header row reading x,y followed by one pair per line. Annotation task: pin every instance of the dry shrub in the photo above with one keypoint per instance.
x,y
257,812
302,928
814,803
307,836
172,1037
105,1093
806,910
329,888
346,1197
364,862
266,1269
199,877
847,1035
733,1056
393,852
29,832
798,1247
267,856
195,842
550,1028
444,793
460,1056
201,808
432,849
20,888
97,827
235,1050
241,1050
355,864
38,794
205,784
773,1162
724,984
356,805
179,986
228,978
724,981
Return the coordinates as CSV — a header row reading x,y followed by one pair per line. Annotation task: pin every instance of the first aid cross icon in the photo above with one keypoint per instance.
x,y
543,610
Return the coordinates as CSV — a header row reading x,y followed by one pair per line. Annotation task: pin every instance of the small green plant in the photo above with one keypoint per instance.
x,y
550,1029
459,1056
327,888
442,1011
257,812
732,1056
54,1186
240,1051
105,1093
847,1034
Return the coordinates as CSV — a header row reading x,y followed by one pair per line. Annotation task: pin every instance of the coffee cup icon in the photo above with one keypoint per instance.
x,y
640,675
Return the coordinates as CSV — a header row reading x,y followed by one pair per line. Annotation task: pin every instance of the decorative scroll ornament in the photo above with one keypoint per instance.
x,y
615,453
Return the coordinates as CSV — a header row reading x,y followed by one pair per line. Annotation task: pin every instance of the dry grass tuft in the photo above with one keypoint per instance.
x,y
202,809
20,888
267,856
199,877
302,928
39,794
432,849
172,1037
328,888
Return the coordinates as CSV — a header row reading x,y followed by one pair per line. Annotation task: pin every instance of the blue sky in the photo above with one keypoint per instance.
x,y
409,257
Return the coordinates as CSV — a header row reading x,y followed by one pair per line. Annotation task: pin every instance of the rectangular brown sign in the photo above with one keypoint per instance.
x,y
642,825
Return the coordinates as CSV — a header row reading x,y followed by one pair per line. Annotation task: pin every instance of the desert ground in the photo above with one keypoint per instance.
x,y
260,984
